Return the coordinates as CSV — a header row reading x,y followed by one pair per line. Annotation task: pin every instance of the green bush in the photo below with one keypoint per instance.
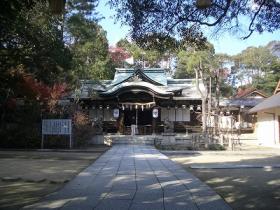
x,y
21,136
216,147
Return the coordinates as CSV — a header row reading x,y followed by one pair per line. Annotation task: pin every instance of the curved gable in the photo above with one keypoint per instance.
x,y
136,86
154,76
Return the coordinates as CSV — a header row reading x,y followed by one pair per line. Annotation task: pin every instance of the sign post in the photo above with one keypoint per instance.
x,y
57,127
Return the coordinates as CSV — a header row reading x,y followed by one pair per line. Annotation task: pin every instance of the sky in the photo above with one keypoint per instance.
x,y
226,43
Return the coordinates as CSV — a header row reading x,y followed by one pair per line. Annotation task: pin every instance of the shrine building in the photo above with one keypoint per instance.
x,y
142,102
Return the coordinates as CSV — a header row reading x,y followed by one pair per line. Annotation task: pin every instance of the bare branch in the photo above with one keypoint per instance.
x,y
253,20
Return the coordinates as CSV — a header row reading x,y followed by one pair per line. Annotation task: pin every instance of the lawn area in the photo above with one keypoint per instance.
x,y
241,187
27,176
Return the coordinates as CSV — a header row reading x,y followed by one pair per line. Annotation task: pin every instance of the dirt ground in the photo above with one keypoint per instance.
x,y
242,187
27,176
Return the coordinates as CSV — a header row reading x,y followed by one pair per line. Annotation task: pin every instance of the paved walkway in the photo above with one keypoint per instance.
x,y
133,177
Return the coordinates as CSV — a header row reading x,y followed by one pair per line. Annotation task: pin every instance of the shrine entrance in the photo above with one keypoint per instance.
x,y
137,118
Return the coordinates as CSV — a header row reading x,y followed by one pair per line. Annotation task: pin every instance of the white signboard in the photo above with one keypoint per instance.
x,y
57,127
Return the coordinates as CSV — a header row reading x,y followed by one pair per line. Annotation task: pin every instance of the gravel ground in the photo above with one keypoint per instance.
x,y
242,188
27,176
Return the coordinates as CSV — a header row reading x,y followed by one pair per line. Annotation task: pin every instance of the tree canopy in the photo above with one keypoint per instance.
x,y
30,37
184,19
150,54
258,67
89,46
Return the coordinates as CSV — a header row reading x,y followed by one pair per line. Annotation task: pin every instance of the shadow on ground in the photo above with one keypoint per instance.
x,y
27,176
242,188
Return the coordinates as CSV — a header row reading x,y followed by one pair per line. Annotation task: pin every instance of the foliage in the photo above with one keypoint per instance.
x,y
203,59
21,136
226,89
39,53
118,56
87,42
30,37
22,128
257,67
149,54
84,7
158,42
184,19
32,52
83,129
182,71
216,147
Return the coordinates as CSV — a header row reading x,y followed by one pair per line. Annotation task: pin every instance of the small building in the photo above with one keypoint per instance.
x,y
240,104
142,101
268,121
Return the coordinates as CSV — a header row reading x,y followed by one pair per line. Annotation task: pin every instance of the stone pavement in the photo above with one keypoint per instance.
x,y
133,177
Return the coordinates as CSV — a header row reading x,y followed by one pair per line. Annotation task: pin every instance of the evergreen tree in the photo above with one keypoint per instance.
x,y
87,41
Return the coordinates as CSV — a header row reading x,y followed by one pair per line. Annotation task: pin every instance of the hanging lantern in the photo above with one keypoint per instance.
x,y
136,106
203,4
100,107
198,108
183,106
142,107
116,113
108,107
155,113
191,107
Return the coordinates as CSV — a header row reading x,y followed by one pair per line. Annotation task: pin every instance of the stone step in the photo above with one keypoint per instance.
x,y
132,142
145,140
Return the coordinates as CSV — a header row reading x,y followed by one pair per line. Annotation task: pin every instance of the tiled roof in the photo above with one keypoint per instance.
x,y
246,102
269,103
154,80
243,93
157,75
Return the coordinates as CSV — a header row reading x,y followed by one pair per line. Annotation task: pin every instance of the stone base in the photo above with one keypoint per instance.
x,y
166,139
99,140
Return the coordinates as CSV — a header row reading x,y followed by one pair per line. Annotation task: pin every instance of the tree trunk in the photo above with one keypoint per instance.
x,y
218,91
203,98
204,115
217,102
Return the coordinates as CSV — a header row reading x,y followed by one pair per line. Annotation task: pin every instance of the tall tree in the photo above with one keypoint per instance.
x,y
87,41
30,36
201,63
30,43
150,56
258,67
182,69
151,49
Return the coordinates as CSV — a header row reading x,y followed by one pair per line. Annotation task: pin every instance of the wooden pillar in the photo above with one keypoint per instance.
x,y
154,126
